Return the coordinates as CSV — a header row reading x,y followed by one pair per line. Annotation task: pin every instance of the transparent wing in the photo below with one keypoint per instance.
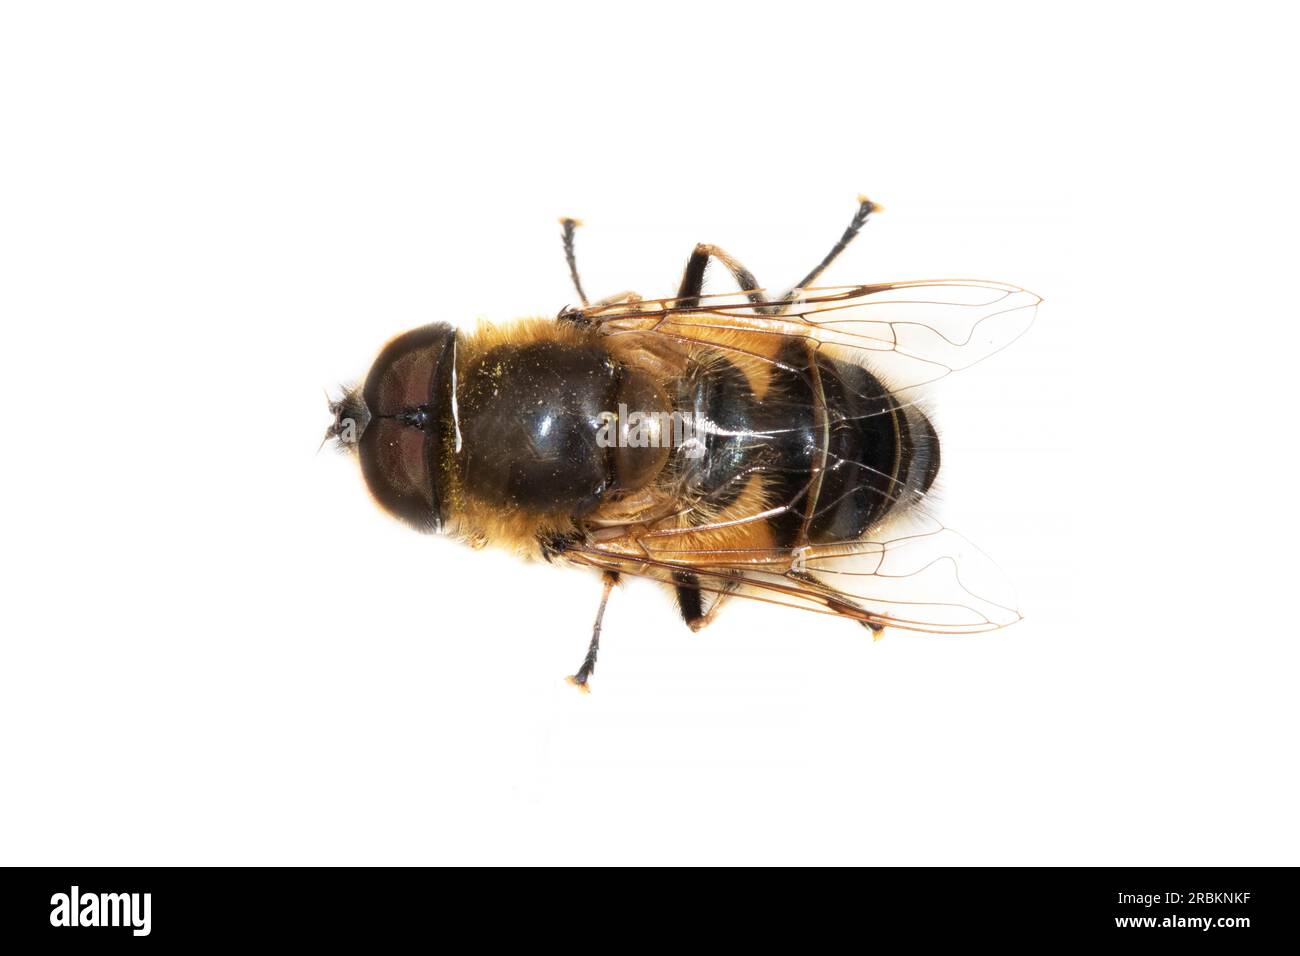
x,y
912,333
927,578
913,573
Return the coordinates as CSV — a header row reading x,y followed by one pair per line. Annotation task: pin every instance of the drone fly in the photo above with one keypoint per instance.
x,y
768,446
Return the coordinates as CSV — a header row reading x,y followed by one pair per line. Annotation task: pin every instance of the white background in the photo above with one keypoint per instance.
x,y
215,650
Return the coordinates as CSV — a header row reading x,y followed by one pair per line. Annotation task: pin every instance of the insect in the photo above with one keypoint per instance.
x,y
769,446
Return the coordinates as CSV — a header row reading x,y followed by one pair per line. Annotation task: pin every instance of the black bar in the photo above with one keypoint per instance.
x,y
376,907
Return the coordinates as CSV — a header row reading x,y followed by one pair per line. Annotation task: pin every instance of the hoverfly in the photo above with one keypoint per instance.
x,y
769,446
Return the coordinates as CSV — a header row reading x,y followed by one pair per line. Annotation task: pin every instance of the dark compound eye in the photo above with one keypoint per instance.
x,y
408,393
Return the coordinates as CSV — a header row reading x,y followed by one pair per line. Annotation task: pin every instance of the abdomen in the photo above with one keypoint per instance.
x,y
827,438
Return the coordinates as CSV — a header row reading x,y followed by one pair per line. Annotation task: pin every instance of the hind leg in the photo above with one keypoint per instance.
x,y
865,208
692,284
840,604
693,279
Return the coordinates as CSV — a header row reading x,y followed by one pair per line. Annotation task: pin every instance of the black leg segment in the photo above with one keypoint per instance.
x,y
693,278
688,598
569,226
865,208
588,667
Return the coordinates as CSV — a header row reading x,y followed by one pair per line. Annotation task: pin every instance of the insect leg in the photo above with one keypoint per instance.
x,y
621,298
579,316
588,667
693,278
865,208
837,602
690,600
569,226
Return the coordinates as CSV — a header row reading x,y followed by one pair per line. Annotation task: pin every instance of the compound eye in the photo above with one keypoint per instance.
x,y
396,461
407,385
404,375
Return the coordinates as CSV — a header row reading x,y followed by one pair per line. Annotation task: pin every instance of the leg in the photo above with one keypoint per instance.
x,y
837,602
570,225
588,667
574,315
865,208
691,603
620,298
580,317
688,598
693,278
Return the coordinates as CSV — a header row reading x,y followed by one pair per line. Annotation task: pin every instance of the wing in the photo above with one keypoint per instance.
x,y
924,578
914,573
911,333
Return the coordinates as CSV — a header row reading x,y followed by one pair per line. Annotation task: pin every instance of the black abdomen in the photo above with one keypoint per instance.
x,y
839,471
